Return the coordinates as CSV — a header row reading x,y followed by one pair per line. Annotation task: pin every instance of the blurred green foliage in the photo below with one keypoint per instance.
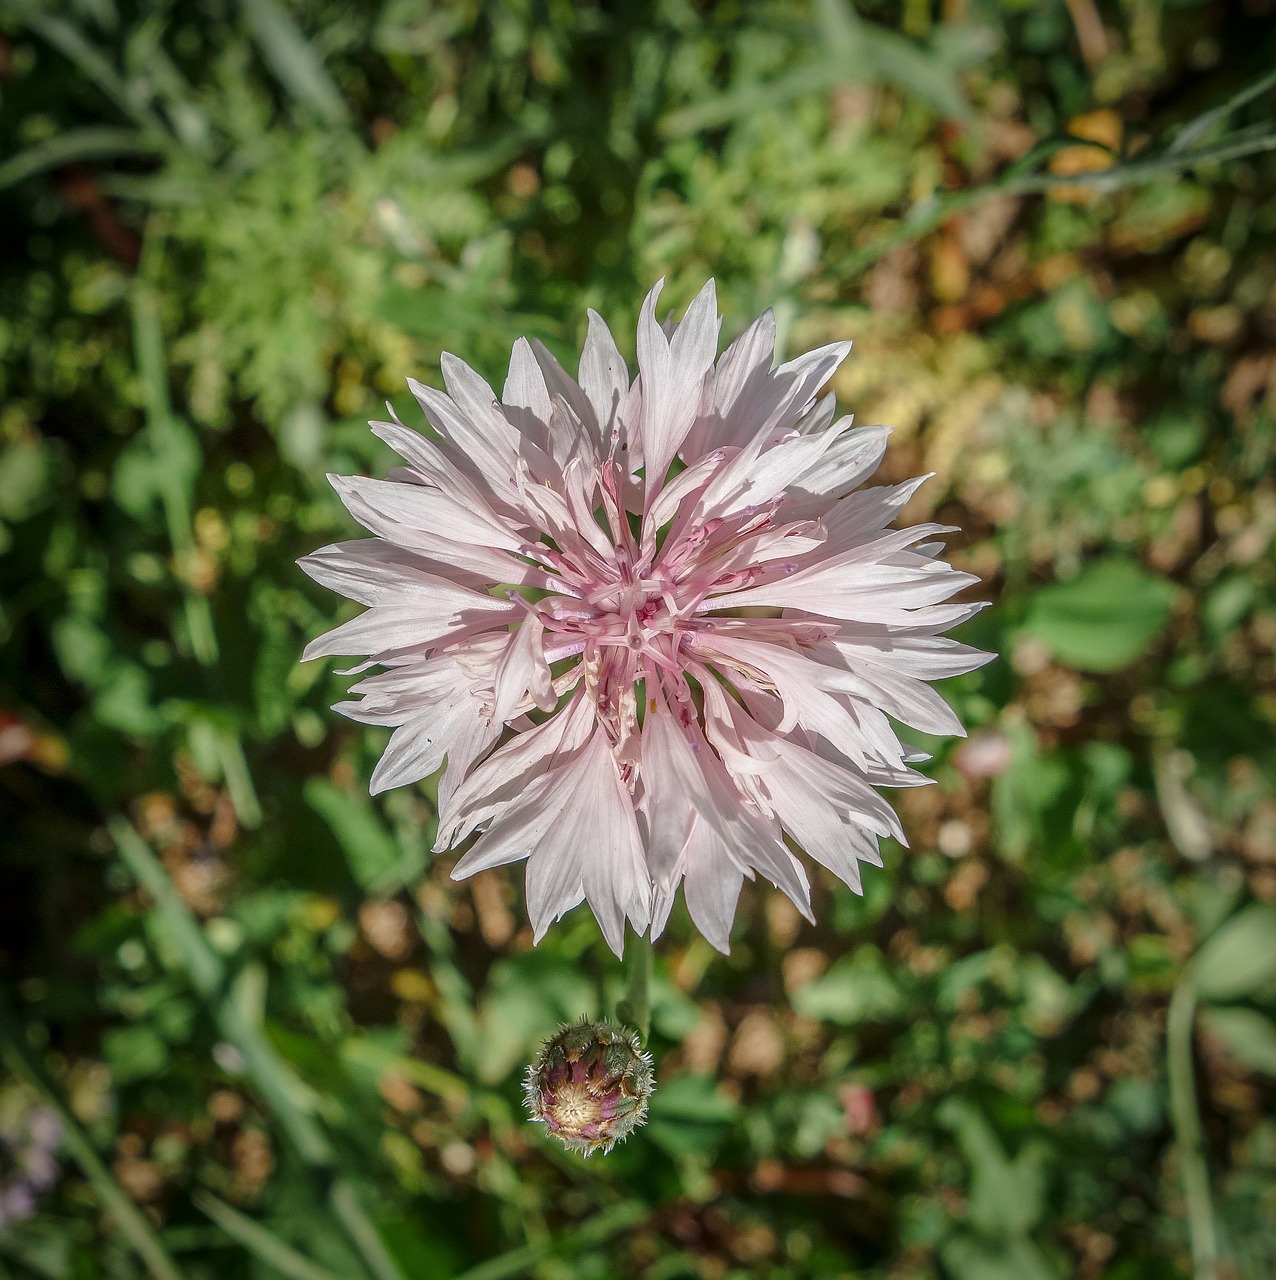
x,y
232,229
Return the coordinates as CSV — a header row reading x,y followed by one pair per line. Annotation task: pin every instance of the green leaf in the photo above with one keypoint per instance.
x,y
856,989
1239,959
261,1243
689,1115
125,701
83,649
371,851
1247,1035
1105,618
25,476
968,1258
93,142
528,997
294,62
1025,793
1007,1197
134,1053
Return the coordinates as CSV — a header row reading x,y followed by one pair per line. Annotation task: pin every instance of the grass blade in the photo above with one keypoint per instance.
x,y
293,60
264,1245
93,64
93,142
600,1228
279,1086
1203,123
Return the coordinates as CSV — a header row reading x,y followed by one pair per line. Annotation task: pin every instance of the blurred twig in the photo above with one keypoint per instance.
x,y
128,1217
933,212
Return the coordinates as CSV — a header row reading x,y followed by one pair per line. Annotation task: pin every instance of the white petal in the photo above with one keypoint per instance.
x,y
514,768
672,373
371,571
526,397
712,888
403,509
604,376
576,829
522,668
443,610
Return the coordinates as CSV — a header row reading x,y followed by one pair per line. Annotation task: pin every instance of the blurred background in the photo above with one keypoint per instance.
x,y
251,1028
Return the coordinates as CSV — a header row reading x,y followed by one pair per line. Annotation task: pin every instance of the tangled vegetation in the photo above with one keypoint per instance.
x,y
257,1025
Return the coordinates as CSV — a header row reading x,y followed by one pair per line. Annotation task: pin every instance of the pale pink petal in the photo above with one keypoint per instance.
x,y
522,672
514,768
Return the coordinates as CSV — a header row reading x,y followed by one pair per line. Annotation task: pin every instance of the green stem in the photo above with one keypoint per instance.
x,y
932,213
634,1009
128,1217
1188,1131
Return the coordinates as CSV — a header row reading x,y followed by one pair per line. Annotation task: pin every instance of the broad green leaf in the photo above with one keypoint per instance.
x,y
1007,1197
1104,619
25,473
371,852
528,997
689,1115
1239,958
1158,214
856,989
1024,793
1247,1035
125,701
968,1258
134,1053
82,648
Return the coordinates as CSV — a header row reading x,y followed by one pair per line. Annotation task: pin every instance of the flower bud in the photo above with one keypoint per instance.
x,y
589,1085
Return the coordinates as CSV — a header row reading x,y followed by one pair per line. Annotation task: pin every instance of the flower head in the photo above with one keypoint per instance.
x,y
589,1085
648,629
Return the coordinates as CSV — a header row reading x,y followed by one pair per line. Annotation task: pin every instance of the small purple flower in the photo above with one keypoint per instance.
x,y
30,1141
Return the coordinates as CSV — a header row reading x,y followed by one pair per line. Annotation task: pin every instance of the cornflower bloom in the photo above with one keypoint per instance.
x,y
651,630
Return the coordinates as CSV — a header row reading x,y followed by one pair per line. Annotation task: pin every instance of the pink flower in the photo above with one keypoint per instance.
x,y
646,628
